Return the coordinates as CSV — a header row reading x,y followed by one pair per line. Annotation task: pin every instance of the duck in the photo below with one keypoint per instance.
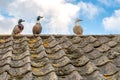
x,y
18,28
37,28
77,29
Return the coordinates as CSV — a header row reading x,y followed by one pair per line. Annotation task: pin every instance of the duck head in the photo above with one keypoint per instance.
x,y
39,17
78,20
20,20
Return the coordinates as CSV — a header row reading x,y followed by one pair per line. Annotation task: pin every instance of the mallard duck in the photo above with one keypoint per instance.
x,y
37,28
78,30
18,28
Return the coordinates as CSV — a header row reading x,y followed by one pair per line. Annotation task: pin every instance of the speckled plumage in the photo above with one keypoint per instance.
x,y
78,30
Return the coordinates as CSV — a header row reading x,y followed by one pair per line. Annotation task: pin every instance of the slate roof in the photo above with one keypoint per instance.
x,y
60,57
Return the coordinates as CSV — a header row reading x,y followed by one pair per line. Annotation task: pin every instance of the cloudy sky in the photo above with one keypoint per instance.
x,y
99,16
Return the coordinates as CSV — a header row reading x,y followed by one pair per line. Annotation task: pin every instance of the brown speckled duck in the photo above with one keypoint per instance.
x,y
37,28
18,28
78,30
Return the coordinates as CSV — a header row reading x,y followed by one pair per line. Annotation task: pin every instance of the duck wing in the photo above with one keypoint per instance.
x,y
78,30
16,30
37,28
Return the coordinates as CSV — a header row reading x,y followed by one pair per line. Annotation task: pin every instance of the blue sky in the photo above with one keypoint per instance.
x,y
99,16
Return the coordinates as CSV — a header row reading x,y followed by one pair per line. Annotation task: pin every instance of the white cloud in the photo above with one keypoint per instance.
x,y
118,1
110,2
89,10
6,25
1,17
106,2
58,14
112,23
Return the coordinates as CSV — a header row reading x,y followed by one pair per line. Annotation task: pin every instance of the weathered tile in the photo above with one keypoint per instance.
x,y
20,40
117,49
83,42
116,61
56,48
59,57
4,76
61,62
103,48
27,76
50,76
62,39
65,70
96,76
5,50
88,48
108,69
40,63
59,54
80,61
72,76
96,44
38,55
53,50
113,54
20,71
5,55
40,48
116,76
43,70
2,41
20,47
75,54
112,43
94,54
101,61
87,69
10,38
49,39
38,43
72,48
103,39
92,39
7,44
5,61
21,55
53,43
66,44
4,68
19,63
117,38
75,40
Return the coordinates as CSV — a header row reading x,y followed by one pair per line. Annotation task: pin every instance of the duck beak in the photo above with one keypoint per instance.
x,y
23,20
41,17
80,20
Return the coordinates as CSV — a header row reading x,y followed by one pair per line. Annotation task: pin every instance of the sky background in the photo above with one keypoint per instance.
x,y
99,16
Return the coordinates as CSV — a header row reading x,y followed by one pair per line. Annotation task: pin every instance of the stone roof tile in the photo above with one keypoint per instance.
x,y
108,69
94,54
101,61
59,57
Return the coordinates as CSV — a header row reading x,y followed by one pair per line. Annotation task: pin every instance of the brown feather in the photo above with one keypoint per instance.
x,y
18,29
37,28
78,29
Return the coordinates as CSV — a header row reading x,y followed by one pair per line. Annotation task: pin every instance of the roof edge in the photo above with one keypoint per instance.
x,y
57,35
